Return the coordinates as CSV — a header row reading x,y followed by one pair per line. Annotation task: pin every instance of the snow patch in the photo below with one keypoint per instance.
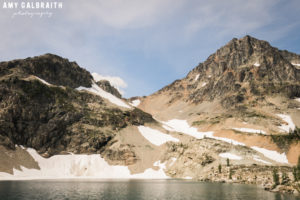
x,y
159,164
258,159
256,64
173,160
249,130
183,127
135,103
196,78
289,126
203,84
297,99
231,141
273,155
156,137
79,166
296,64
98,91
230,156
43,81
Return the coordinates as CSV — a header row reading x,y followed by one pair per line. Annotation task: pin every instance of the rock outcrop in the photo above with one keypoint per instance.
x,y
51,68
106,86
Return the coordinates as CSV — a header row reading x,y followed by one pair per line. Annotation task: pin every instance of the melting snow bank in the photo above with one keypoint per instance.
x,y
43,81
79,166
249,130
156,137
135,103
257,158
98,91
296,64
290,125
273,155
230,156
183,127
231,141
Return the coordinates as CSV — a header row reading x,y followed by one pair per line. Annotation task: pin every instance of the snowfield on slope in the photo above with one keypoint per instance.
x,y
156,137
273,155
296,64
182,126
258,159
43,81
98,91
79,166
290,124
230,156
249,130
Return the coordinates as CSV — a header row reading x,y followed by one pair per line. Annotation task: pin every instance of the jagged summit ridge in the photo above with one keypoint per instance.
x,y
249,52
243,67
51,68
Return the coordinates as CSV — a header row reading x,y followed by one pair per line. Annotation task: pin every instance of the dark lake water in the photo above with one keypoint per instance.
x,y
133,189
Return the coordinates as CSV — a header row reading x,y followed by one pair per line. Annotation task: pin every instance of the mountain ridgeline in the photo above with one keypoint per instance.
x,y
242,69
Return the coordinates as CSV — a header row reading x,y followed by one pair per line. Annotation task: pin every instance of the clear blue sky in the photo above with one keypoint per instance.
x,y
148,43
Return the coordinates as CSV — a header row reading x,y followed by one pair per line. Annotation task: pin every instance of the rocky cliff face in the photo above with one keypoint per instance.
x,y
54,117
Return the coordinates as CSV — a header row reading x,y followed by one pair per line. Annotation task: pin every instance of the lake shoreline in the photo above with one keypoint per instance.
x,y
282,189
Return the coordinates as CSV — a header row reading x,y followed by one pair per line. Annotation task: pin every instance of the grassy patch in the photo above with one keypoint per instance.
x,y
199,123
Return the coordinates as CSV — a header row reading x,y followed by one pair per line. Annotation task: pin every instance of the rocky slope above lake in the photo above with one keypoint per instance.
x,y
247,90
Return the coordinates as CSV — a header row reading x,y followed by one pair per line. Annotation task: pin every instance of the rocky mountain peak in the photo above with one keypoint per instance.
x,y
243,67
51,68
238,52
